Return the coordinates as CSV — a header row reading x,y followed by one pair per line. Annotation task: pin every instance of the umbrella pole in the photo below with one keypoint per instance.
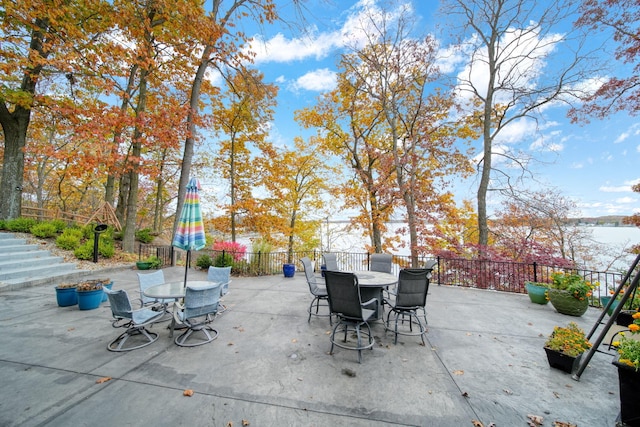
x,y
186,267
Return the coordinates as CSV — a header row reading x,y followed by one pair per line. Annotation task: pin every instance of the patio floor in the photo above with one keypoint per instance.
x,y
483,362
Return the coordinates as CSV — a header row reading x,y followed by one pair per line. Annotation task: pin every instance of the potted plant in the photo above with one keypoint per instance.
x,y
90,293
569,293
537,292
66,294
628,364
152,262
565,346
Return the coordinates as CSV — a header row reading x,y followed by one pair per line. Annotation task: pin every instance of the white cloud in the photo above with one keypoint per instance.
x,y
626,187
626,200
317,80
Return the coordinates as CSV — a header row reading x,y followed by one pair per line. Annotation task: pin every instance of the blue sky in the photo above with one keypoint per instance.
x,y
594,164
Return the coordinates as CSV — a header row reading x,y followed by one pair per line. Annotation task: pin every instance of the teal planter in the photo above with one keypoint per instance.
x,y
537,294
66,297
605,300
89,300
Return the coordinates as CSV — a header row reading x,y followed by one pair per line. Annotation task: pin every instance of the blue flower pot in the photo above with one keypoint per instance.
x,y
89,300
289,270
66,297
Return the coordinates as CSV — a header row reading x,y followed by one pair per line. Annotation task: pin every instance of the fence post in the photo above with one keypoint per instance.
x,y
438,266
535,271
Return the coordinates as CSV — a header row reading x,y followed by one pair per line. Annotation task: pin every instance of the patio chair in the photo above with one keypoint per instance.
x,y
318,291
411,296
196,313
352,313
221,275
381,262
135,322
330,261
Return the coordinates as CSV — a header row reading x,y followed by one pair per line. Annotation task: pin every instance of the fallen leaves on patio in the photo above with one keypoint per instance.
x,y
563,424
102,380
535,420
187,392
477,423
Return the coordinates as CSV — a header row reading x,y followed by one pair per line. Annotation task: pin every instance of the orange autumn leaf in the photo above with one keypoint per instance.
x,y
102,380
187,392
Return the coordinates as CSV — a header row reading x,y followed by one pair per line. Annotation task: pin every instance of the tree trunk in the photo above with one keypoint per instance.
x,y
14,126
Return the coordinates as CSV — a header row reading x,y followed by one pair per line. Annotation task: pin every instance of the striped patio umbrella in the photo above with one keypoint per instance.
x,y
190,232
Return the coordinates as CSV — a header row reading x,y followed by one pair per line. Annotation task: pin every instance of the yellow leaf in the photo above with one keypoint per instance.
x,y
102,380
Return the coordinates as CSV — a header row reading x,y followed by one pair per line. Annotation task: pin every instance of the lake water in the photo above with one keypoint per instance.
x,y
614,241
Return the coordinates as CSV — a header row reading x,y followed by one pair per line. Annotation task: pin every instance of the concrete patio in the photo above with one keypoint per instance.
x,y
483,361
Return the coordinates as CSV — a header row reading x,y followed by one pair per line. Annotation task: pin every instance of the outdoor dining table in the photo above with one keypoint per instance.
x,y
174,291
372,284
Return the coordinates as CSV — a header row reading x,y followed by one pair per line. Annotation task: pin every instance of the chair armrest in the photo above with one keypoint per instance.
x,y
373,301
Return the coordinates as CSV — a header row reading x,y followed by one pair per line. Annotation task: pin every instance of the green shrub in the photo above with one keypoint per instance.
x,y
68,241
3,224
106,248
44,230
144,235
154,262
223,260
59,224
21,225
204,262
84,251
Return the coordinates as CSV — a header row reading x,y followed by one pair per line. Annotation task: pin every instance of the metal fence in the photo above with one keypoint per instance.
x,y
472,273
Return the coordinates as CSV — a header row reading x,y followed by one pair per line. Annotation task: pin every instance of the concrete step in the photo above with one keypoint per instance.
x,y
13,263
7,244
32,270
22,254
52,278
17,247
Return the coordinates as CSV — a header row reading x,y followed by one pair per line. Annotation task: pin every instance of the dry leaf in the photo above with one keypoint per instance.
x,y
563,424
348,372
465,394
187,392
71,329
229,424
556,394
535,420
230,343
477,423
468,334
458,372
102,380
294,340
245,423
509,392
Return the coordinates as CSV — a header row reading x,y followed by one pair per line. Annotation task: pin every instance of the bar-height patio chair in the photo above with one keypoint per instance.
x,y
330,261
352,313
411,296
135,321
381,262
196,313
318,291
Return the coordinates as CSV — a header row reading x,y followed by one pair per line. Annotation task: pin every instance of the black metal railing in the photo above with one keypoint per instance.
x,y
472,273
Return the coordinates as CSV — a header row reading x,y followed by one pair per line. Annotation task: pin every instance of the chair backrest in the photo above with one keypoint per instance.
x,y
119,302
381,262
146,280
331,262
221,275
201,300
413,285
309,274
344,294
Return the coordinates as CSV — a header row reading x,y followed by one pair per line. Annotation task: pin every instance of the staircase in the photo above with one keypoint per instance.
x,y
25,265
